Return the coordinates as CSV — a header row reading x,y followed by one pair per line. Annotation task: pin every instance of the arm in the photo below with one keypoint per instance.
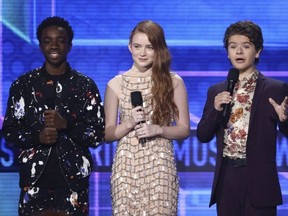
x,y
85,125
211,117
181,130
113,130
19,128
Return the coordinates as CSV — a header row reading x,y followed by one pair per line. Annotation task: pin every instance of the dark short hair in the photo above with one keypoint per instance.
x,y
55,21
248,29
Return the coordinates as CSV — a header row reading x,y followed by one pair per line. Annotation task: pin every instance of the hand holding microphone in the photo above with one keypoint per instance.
x,y
222,100
53,121
52,118
232,79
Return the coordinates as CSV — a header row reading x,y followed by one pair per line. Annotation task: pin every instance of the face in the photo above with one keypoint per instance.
x,y
142,52
55,46
242,53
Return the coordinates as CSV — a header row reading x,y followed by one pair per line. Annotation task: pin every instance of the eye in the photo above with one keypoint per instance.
x,y
136,46
46,41
150,48
246,46
61,40
232,46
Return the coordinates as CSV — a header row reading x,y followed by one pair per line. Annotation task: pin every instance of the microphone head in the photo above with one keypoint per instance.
x,y
136,98
233,75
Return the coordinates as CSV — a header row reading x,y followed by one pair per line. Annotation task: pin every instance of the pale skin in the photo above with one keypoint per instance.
x,y
142,54
242,54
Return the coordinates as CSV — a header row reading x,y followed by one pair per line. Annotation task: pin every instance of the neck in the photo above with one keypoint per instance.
x,y
246,73
56,69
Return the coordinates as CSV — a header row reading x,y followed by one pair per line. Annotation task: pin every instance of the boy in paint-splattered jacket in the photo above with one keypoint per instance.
x,y
54,114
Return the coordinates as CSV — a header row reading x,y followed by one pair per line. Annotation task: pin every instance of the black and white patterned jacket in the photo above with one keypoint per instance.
x,y
78,100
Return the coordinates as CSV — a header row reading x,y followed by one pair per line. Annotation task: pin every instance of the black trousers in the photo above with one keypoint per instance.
x,y
232,197
37,201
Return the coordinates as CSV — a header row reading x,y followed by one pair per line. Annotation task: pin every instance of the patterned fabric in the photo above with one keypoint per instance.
x,y
144,180
78,100
35,201
235,137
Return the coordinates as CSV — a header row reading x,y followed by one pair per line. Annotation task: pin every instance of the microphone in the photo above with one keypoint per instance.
x,y
137,100
50,94
232,79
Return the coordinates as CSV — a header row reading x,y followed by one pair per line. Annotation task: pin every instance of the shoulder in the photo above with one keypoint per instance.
x,y
115,81
27,77
270,80
176,79
114,84
81,77
272,85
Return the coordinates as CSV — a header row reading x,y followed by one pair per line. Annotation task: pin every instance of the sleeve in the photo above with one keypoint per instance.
x,y
210,120
18,127
89,129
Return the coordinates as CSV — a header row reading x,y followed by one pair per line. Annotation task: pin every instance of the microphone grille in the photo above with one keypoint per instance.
x,y
233,75
136,98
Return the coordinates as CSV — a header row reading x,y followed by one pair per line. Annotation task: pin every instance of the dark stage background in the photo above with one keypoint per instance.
x,y
194,32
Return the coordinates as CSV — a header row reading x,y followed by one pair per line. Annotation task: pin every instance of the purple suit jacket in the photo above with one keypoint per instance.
x,y
263,183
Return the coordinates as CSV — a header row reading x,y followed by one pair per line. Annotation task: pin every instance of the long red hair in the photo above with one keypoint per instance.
x,y
162,86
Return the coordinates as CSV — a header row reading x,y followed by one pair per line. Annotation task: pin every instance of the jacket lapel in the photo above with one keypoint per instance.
x,y
257,95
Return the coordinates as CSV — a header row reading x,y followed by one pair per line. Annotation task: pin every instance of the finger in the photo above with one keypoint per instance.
x,y
285,101
273,103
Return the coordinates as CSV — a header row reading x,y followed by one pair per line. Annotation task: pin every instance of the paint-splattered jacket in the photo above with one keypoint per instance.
x,y
78,101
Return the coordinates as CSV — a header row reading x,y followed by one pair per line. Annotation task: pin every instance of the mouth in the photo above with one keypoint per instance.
x,y
240,60
54,54
142,59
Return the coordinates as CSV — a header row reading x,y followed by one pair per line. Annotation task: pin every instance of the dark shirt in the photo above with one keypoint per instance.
x,y
52,176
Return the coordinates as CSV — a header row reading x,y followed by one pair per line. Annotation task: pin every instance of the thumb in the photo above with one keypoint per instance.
x,y
273,103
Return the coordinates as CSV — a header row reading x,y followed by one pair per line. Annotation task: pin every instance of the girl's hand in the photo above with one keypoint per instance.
x,y
137,116
148,130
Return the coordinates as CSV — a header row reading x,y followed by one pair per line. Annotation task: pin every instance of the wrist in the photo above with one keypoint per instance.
x,y
130,124
160,130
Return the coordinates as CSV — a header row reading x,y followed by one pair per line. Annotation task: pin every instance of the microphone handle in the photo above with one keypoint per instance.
x,y
230,88
142,141
225,110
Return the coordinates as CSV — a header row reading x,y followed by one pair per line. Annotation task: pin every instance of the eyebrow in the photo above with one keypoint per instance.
x,y
232,42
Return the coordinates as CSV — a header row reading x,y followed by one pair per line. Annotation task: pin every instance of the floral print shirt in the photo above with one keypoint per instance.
x,y
236,133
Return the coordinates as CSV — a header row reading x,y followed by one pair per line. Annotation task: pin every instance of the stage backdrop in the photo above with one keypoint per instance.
x,y
194,32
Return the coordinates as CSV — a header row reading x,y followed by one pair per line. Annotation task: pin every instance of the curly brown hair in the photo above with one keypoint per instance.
x,y
248,29
162,86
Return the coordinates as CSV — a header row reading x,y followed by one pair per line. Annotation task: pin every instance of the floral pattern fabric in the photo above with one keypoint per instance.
x,y
235,138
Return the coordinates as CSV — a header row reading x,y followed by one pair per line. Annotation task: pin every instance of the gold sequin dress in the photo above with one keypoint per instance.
x,y
144,180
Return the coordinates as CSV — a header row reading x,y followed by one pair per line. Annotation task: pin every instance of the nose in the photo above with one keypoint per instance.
x,y
143,51
239,50
54,44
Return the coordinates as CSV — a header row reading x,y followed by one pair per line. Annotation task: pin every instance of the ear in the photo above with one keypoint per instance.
x,y
258,53
40,47
130,47
69,47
